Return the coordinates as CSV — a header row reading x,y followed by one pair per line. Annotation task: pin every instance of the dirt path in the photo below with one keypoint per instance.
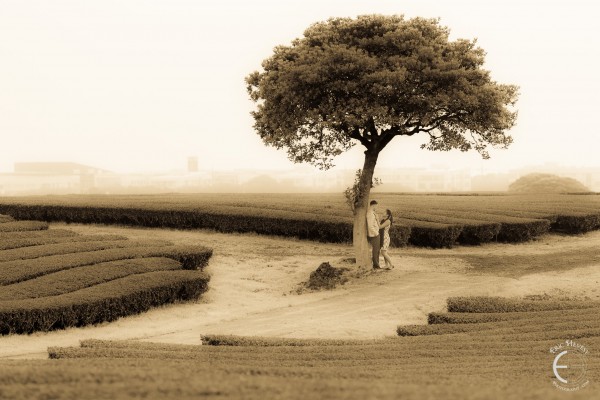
x,y
254,281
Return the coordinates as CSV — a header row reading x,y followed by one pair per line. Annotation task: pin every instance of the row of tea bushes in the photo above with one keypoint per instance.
x,y
428,230
102,302
455,359
57,279
498,318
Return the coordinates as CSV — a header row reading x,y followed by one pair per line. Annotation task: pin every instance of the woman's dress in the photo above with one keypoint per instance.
x,y
386,238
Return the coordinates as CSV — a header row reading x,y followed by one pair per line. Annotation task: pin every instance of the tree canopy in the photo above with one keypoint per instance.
x,y
369,79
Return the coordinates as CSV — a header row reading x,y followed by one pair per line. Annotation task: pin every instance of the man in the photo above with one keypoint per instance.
x,y
373,232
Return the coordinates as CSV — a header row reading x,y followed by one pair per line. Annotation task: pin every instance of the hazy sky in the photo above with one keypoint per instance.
x,y
141,85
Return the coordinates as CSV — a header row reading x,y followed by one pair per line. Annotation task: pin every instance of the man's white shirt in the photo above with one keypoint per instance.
x,y
372,223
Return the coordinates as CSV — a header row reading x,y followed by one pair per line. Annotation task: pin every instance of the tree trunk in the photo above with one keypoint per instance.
x,y
359,232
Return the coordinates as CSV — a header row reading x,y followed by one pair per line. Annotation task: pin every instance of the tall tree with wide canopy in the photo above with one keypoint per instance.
x,y
370,79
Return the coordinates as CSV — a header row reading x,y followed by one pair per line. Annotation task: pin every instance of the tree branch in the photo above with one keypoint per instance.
x,y
372,129
355,134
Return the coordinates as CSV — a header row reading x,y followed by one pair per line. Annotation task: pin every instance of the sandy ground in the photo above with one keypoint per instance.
x,y
254,282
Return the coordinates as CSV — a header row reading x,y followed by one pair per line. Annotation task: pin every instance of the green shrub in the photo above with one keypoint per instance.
x,y
74,246
480,317
233,340
37,235
576,223
6,218
325,229
522,231
440,329
190,257
73,279
512,229
473,232
479,233
431,234
484,304
23,226
14,243
322,217
104,302
399,235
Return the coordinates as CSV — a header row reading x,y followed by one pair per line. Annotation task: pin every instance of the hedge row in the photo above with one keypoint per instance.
x,y
326,230
473,231
431,234
6,218
505,318
190,257
23,226
485,304
436,228
330,229
105,302
8,244
538,332
48,234
566,221
477,317
576,223
74,279
234,340
512,229
73,247
514,232
245,346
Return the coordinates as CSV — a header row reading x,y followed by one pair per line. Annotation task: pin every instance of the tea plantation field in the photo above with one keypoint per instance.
x,y
54,278
481,348
421,220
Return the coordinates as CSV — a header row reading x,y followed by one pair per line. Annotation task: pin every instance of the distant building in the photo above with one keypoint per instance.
x,y
192,164
51,178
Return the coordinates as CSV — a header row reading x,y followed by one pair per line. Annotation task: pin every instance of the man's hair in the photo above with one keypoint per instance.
x,y
373,202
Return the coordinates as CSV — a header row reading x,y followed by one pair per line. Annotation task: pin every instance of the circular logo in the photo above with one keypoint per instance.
x,y
569,365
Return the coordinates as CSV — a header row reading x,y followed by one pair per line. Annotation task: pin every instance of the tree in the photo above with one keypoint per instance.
x,y
373,78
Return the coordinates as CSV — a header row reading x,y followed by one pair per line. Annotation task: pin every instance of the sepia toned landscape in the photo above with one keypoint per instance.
x,y
257,330
317,200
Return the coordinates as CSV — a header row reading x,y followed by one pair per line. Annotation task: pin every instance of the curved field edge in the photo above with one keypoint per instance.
x,y
11,272
474,364
74,279
511,318
90,279
101,303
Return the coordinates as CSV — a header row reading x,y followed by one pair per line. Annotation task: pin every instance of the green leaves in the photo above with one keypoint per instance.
x,y
316,97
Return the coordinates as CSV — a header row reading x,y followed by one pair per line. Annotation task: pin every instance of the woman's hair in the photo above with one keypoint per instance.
x,y
388,215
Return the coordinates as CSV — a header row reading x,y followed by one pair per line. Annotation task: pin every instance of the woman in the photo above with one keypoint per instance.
x,y
384,233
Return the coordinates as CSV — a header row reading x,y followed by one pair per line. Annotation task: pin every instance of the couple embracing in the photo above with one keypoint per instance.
x,y
378,234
